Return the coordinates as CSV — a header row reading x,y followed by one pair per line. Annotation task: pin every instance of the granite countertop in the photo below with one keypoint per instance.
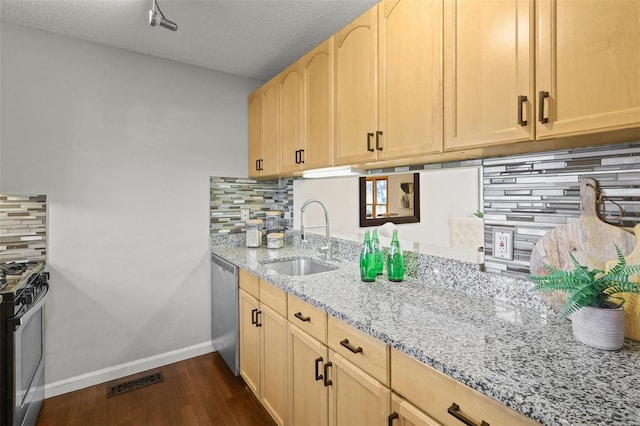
x,y
521,357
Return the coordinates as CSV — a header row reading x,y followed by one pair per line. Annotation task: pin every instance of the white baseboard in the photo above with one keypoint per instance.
x,y
111,373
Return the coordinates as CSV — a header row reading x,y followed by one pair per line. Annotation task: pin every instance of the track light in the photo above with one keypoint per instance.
x,y
156,18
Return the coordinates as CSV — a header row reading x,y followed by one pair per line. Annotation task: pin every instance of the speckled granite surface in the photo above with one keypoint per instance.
x,y
520,356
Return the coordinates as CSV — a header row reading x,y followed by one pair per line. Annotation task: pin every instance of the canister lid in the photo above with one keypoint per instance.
x,y
254,222
274,213
276,235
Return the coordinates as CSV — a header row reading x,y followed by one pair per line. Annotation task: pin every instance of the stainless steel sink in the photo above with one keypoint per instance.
x,y
299,266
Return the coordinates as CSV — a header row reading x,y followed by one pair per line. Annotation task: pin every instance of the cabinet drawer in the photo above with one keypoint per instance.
x,y
367,353
273,297
308,318
250,283
434,393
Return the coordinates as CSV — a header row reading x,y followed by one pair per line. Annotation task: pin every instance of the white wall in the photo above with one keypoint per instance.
x,y
444,193
123,145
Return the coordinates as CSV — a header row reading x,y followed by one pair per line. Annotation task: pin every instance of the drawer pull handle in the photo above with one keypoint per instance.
x,y
301,318
454,410
302,156
392,417
541,97
258,323
318,375
378,134
521,100
254,319
327,381
369,136
349,346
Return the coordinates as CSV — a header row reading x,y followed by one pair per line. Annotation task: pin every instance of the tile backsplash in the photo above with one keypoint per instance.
x,y
533,193
23,227
228,195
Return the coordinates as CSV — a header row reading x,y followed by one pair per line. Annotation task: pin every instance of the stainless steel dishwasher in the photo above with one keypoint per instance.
x,y
224,311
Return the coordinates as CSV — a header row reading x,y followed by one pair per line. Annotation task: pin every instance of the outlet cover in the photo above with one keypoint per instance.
x,y
244,214
503,244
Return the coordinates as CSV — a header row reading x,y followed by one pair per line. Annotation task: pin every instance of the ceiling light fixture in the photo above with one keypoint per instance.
x,y
159,19
330,172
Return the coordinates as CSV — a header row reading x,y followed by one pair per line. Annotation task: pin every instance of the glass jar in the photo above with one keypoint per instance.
x,y
273,221
254,233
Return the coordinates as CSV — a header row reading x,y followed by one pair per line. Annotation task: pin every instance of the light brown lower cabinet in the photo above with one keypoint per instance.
x,y
263,348
444,399
404,413
355,398
308,395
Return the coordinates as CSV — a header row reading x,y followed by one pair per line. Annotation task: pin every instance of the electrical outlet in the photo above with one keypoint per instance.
x,y
287,215
503,244
244,214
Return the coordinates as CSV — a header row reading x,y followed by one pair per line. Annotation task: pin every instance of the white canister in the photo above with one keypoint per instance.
x,y
275,240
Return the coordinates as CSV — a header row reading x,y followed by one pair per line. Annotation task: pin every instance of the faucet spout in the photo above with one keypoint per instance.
x,y
327,248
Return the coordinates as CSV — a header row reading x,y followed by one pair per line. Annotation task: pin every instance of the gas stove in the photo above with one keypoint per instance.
x,y
14,275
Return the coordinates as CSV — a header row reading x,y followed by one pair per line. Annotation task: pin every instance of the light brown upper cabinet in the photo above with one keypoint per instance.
x,y
255,132
306,102
291,148
356,89
263,130
588,67
317,78
388,73
410,78
488,72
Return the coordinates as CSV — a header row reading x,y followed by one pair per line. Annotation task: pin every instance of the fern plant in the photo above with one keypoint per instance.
x,y
585,287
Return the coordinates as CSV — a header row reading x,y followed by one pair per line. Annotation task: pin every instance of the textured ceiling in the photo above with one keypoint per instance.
x,y
251,38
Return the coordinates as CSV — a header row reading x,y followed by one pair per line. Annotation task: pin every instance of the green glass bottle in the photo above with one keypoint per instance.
x,y
395,260
378,252
367,260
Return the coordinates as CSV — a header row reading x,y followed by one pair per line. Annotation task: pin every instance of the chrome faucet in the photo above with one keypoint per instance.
x,y
327,248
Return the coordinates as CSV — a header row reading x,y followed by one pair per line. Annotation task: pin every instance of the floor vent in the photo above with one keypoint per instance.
x,y
134,384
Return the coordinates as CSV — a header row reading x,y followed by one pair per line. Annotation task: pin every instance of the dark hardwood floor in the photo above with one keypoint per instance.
x,y
198,391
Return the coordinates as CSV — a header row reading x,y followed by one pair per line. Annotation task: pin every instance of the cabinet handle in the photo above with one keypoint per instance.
x,y
297,156
521,101
349,346
327,382
369,136
257,167
302,156
318,375
454,410
378,134
541,97
258,323
301,317
253,316
393,416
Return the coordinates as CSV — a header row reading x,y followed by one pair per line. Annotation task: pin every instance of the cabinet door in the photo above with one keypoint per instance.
x,y
308,396
318,106
270,117
588,62
356,91
274,365
290,82
410,78
250,341
406,414
488,51
255,132
355,398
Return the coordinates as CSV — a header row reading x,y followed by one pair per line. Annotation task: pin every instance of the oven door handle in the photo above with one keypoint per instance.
x,y
16,322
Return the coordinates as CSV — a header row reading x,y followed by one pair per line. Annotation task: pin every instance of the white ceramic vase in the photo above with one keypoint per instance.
x,y
601,328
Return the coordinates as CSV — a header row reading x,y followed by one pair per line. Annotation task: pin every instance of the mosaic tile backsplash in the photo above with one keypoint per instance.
x,y
533,193
228,195
23,227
